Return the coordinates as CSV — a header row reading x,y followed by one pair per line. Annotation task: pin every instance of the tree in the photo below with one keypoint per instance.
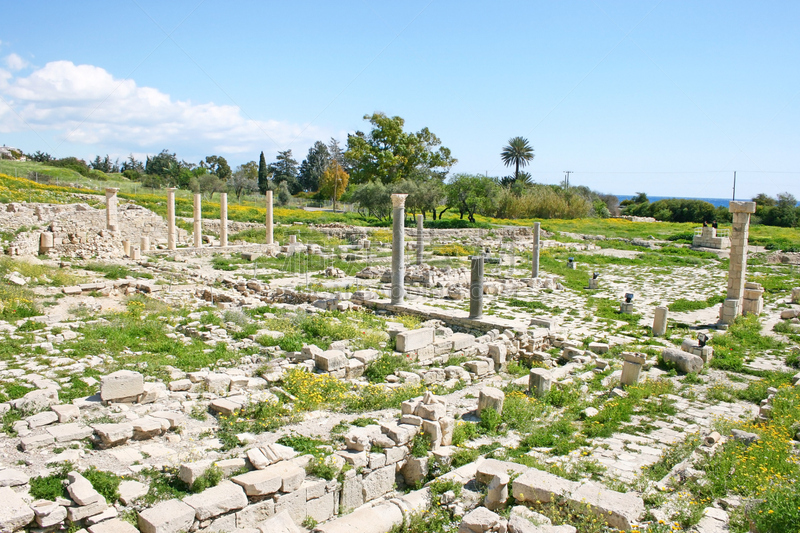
x,y
313,166
284,196
373,198
209,184
389,154
333,183
39,157
518,153
336,154
263,175
285,169
105,164
216,164
132,168
784,213
472,195
764,200
163,164
244,180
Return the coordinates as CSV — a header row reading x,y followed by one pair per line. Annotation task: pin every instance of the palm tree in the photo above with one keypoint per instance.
x,y
518,153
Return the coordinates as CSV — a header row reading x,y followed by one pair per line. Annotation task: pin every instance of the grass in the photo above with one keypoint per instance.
x,y
682,305
112,271
742,340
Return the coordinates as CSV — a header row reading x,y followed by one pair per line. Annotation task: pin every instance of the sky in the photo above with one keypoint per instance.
x,y
666,97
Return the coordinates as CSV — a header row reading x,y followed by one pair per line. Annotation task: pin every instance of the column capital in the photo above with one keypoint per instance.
x,y
399,200
172,189
742,207
111,190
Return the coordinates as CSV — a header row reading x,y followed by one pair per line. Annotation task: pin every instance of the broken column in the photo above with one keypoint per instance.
x,y
45,242
540,380
631,367
111,209
732,306
476,288
269,218
420,239
753,299
144,243
170,218
398,246
198,220
660,321
536,229
223,219
126,247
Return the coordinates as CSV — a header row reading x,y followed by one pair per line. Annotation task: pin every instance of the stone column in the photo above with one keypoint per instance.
x,y
269,218
111,209
476,288
170,218
536,229
223,219
126,247
45,242
197,230
631,367
732,306
660,321
420,239
540,381
398,247
144,243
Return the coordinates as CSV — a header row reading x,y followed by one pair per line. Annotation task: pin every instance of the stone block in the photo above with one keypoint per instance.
x,y
535,485
66,412
147,428
130,491
152,393
462,341
121,386
294,503
331,360
433,411
434,431
48,514
378,482
366,356
381,518
218,500
35,441
81,490
598,347
487,469
254,514
490,397
539,382
683,361
322,508
280,523
74,514
115,525
414,339
190,472
171,516
482,520
478,367
354,458
42,419
283,476
70,432
172,417
352,496
113,434
224,406
15,513
619,510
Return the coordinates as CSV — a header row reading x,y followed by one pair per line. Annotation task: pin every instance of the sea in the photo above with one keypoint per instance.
x,y
716,202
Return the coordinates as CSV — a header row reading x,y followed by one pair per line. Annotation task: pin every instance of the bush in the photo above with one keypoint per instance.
x,y
385,365
490,420
463,456
48,487
464,432
420,445
106,483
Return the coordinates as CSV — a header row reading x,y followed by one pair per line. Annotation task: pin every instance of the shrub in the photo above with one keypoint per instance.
x,y
48,487
106,483
490,420
322,468
463,456
464,432
420,445
385,365
210,478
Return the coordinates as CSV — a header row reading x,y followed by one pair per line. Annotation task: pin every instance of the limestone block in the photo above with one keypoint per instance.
x,y
354,369
283,476
171,516
257,458
482,520
66,412
180,385
215,501
70,432
294,503
395,455
172,417
434,431
352,492
497,492
536,485
414,339
359,439
322,508
121,386
378,482
400,434
462,341
48,513
75,514
253,515
11,477
224,406
152,393
35,441
618,509
331,360
280,523
81,490
189,472
130,491
490,468
381,518
415,470
478,367
366,356
115,525
431,411
598,347
146,428
113,434
42,419
539,382
683,361
14,511
490,397
447,425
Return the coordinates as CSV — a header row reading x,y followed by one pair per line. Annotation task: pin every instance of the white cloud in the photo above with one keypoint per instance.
x,y
88,105
14,62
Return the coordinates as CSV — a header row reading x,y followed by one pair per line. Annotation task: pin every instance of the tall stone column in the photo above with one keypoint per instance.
x,y
269,218
197,229
536,229
737,271
112,223
476,287
170,218
420,239
223,219
660,321
398,247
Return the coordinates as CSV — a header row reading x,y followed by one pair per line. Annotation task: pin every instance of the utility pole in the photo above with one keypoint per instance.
x,y
734,185
567,172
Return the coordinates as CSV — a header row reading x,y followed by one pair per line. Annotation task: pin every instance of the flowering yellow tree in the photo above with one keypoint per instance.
x,y
333,182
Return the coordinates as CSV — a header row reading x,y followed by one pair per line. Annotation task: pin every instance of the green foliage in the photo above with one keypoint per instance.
x,y
420,445
561,436
648,398
112,271
490,420
742,339
472,194
681,304
52,486
386,364
210,478
322,468
106,483
674,210
464,432
518,153
303,445
164,484
463,456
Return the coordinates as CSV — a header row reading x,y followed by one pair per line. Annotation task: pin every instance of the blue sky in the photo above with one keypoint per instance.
x,y
665,97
